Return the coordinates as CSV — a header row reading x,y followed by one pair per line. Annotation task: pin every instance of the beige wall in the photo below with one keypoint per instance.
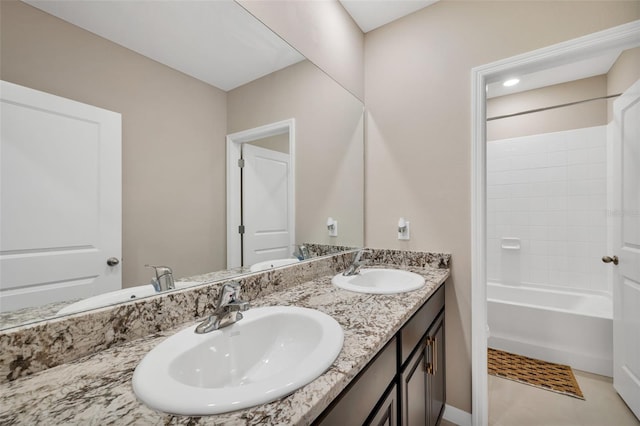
x,y
322,31
624,72
578,116
329,146
418,97
278,143
173,135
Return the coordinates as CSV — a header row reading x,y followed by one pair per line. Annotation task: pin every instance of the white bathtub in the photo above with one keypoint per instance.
x,y
568,328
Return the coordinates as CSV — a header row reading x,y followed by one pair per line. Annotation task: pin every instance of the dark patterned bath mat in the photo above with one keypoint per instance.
x,y
541,374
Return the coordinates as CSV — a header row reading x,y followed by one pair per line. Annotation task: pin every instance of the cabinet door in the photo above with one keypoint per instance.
x,y
358,401
436,376
387,414
413,382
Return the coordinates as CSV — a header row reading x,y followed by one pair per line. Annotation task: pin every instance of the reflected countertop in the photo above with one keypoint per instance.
x,y
97,389
34,314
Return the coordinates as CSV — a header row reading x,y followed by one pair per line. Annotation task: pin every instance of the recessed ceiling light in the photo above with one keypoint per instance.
x,y
511,82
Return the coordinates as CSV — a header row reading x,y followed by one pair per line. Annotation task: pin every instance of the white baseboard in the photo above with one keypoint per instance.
x,y
457,416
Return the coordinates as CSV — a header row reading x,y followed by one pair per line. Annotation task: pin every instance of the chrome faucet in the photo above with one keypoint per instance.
x,y
164,278
228,310
354,268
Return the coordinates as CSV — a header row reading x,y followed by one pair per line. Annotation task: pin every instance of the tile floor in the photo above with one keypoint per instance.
x,y
516,404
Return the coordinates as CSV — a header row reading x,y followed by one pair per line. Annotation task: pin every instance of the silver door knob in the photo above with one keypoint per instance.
x,y
608,259
112,261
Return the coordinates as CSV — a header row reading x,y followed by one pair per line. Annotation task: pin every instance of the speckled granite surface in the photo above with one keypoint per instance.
x,y
407,258
27,316
97,389
326,249
29,349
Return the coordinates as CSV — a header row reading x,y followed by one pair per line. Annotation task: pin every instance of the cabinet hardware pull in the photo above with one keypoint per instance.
x,y
435,355
428,365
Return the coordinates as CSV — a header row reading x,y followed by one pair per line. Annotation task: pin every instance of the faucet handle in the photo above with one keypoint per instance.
x,y
229,293
160,270
358,255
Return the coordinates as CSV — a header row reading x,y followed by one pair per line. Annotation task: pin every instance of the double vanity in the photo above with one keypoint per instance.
x,y
305,351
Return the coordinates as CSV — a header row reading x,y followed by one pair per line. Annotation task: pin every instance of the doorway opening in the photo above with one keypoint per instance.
x,y
618,38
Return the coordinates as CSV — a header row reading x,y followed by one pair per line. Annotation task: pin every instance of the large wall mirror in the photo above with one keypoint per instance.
x,y
185,75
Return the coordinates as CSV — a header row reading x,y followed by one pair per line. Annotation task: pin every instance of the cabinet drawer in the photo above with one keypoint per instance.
x,y
357,402
417,326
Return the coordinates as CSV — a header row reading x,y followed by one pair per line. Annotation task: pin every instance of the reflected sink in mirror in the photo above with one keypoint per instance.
x,y
270,264
379,281
268,354
190,240
118,296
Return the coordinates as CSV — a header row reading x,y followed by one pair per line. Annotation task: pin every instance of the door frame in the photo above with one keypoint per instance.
x,y
234,198
621,37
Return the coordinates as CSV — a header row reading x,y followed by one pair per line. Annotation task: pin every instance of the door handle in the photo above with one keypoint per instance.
x,y
112,261
608,259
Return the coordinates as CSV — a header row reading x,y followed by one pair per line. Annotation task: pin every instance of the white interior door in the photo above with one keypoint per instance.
x,y
266,205
626,246
60,199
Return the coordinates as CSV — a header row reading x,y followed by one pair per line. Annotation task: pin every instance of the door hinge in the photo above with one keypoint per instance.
x,y
241,162
241,229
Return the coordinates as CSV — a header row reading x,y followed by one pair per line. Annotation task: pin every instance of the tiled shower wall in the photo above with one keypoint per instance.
x,y
547,194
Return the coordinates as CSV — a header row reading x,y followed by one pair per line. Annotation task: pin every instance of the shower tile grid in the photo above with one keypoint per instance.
x,y
549,191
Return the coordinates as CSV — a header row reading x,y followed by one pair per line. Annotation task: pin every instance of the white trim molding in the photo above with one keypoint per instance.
x,y
456,416
621,37
234,153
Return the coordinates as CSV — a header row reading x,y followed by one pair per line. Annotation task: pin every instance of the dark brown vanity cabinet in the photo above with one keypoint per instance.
x,y
422,381
405,383
359,401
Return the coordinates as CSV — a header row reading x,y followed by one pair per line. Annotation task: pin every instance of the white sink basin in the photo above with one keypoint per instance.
x,y
269,264
379,281
268,354
118,296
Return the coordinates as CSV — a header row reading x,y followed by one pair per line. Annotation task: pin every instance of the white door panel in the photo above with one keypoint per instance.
x,y
266,205
626,245
55,203
60,205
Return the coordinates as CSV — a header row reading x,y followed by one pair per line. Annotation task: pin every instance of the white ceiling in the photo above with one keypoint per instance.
x,y
371,14
220,43
217,42
574,71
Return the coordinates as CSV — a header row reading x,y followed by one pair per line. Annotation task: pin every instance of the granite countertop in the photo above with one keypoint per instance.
x,y
97,389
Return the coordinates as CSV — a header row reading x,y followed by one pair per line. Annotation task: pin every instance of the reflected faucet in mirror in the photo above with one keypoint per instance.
x,y
301,252
228,310
163,280
192,241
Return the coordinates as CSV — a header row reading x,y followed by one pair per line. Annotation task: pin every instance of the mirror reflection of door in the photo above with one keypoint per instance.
x,y
61,199
261,194
266,201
